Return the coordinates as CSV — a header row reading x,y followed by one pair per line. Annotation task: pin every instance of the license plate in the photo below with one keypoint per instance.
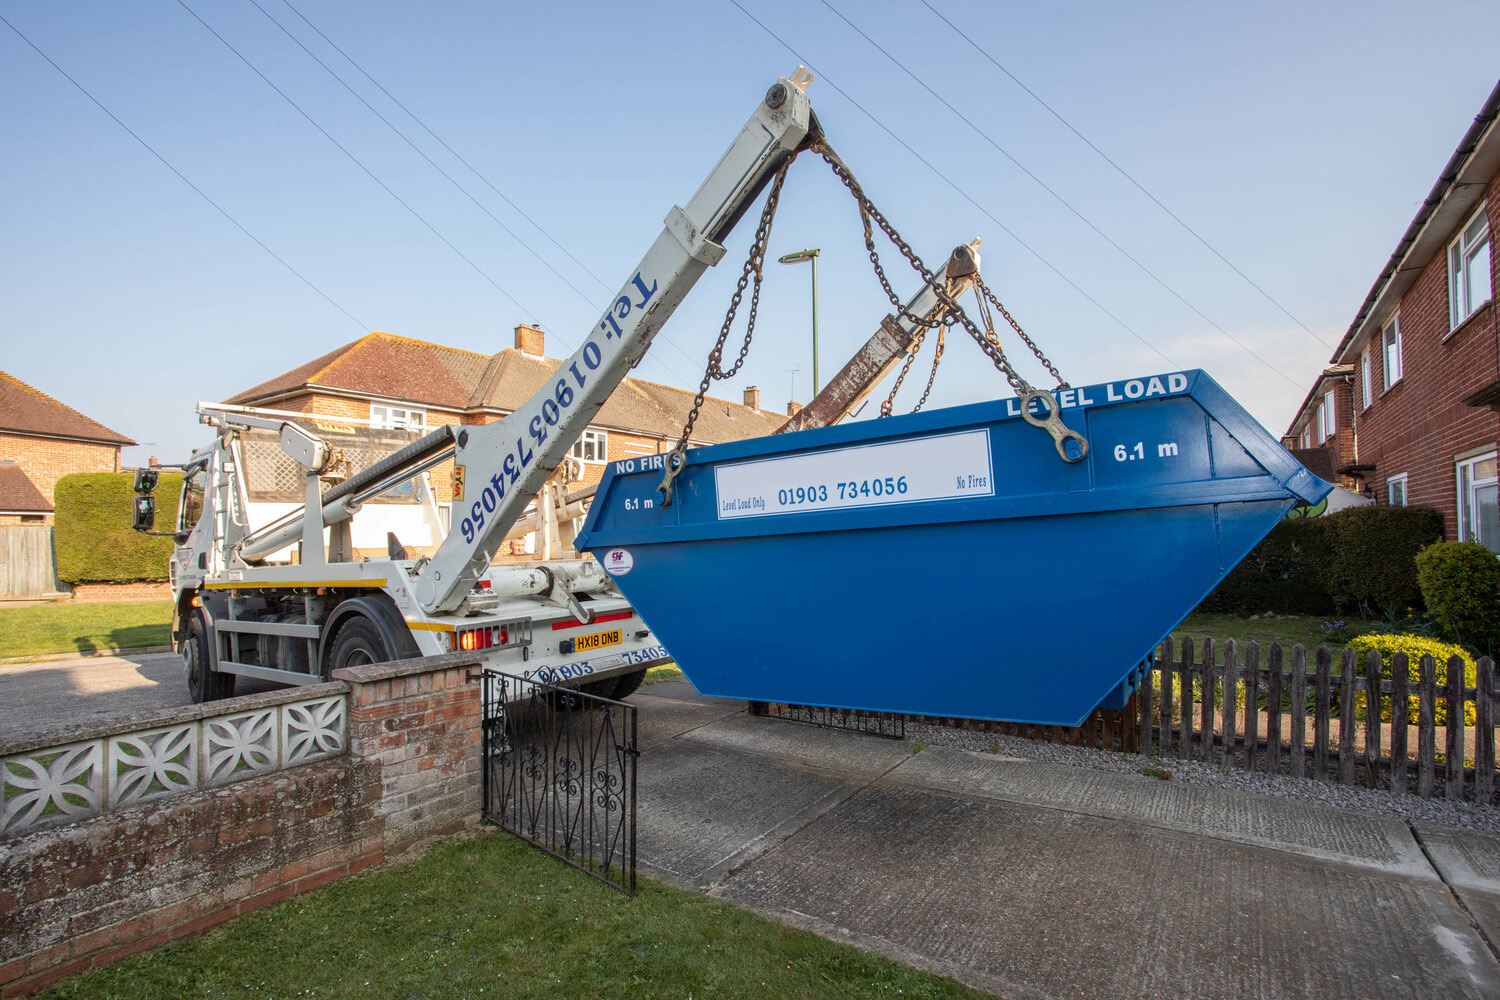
x,y
597,640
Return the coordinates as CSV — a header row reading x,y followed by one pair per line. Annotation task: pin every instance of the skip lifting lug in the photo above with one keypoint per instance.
x,y
1052,423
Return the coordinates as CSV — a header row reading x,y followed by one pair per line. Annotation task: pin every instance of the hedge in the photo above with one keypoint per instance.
x,y
1414,646
1363,557
94,539
1461,584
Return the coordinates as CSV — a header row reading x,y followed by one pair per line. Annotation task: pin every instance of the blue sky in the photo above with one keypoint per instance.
x,y
1298,139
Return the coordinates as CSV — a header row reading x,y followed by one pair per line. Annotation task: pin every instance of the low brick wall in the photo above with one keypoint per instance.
x,y
95,593
179,858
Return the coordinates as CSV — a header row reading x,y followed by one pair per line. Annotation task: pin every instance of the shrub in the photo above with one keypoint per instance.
x,y
1414,646
1285,573
1460,582
1374,550
95,543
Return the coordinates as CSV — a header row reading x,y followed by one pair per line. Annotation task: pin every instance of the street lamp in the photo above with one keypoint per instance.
x,y
797,258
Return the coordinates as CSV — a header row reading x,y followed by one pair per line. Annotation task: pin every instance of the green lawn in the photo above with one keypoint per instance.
x,y
83,628
1285,629
494,917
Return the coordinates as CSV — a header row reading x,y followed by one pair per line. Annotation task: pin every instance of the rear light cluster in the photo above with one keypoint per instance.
x,y
481,638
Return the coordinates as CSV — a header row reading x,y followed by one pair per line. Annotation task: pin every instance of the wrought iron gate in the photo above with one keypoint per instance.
x,y
559,772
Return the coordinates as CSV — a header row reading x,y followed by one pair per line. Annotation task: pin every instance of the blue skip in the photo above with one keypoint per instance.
x,y
948,562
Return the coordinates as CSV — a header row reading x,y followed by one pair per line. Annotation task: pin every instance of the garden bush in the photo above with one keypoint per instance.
x,y
94,539
1374,552
1284,573
1414,646
1460,582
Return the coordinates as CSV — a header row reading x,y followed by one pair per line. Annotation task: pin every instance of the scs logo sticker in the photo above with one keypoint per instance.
x,y
618,562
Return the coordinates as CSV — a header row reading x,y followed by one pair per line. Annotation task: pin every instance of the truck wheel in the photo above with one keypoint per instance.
x,y
203,683
629,685
358,642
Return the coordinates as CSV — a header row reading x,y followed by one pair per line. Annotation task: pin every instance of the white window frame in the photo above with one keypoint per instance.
x,y
409,419
1366,382
1329,411
1306,436
1394,486
1465,487
1461,256
600,441
1390,337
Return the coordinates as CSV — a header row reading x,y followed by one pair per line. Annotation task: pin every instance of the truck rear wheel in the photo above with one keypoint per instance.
x,y
629,684
203,683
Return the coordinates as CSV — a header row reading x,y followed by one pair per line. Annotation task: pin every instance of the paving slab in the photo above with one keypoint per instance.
x,y
1470,863
1030,901
671,708
703,810
847,753
1374,841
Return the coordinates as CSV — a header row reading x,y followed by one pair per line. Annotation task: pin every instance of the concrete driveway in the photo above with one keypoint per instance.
x,y
92,689
1033,880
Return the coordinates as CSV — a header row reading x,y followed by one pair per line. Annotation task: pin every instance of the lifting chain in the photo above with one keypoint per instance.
x,y
982,292
754,266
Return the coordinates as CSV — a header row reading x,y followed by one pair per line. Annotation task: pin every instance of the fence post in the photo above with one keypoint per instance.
x,y
1484,732
1299,711
1142,702
1321,727
1272,760
1426,735
1372,718
1400,726
1454,731
1231,700
1347,700
1252,703
1164,670
1185,666
1207,691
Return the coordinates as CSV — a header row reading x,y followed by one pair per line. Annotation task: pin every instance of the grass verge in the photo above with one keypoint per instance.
x,y
669,672
83,628
493,917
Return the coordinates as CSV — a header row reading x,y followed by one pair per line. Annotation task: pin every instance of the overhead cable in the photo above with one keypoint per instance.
x,y
182,177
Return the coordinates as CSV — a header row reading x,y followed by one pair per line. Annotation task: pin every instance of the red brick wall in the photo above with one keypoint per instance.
x,y
1419,424
92,593
90,894
46,460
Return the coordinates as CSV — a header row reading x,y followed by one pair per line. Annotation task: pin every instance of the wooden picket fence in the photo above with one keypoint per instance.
x,y
1316,722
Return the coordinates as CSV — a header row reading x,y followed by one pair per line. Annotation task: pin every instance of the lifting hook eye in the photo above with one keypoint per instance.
x,y
674,465
1071,445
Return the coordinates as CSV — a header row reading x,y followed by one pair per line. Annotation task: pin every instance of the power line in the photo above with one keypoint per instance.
x,y
960,191
415,214
662,336
1058,197
182,177
1123,173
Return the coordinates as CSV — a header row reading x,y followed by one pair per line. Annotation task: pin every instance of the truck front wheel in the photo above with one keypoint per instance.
x,y
203,683
357,643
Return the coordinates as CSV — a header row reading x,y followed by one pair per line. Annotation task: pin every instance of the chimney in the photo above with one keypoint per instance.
x,y
752,397
793,408
531,340
152,461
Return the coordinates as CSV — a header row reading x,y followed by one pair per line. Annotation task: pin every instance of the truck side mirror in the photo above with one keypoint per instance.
x,y
144,518
145,480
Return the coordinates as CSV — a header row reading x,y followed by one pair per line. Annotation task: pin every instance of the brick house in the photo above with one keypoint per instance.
x,y
42,440
1407,409
401,384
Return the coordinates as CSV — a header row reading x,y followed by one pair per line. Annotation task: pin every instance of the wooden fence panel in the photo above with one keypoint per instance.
x,y
26,563
1400,702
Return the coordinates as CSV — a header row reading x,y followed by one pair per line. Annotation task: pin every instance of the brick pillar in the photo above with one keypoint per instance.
x,y
420,720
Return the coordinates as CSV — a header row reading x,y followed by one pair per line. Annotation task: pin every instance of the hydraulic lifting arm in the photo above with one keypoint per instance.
x,y
503,465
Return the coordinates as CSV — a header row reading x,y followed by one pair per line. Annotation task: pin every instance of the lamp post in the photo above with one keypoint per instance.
x,y
797,258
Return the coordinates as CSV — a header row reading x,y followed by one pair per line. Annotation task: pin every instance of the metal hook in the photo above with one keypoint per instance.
x,y
1052,423
675,463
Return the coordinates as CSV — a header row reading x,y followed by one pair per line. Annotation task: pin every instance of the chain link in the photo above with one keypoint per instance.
x,y
982,292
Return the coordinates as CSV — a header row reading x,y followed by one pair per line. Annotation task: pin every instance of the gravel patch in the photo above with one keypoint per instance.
x,y
1460,814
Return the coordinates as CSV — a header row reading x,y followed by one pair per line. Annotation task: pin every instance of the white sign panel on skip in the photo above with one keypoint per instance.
x,y
942,467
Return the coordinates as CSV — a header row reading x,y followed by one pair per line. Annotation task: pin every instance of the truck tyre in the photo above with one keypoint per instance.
x,y
357,643
203,683
629,684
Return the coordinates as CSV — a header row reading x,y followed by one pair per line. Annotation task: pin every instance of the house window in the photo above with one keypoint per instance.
x,y
1307,437
397,418
1469,270
592,447
1478,505
1390,345
1366,392
1328,417
1395,490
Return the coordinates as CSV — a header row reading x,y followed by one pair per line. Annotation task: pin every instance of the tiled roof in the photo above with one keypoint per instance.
x,y
1318,461
398,368
17,493
31,411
